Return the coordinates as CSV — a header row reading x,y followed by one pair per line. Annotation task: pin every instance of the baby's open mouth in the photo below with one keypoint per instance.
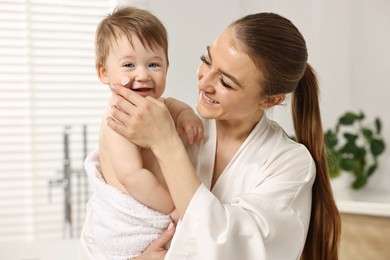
x,y
140,89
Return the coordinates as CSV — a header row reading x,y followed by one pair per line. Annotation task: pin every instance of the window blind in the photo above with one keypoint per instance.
x,y
49,93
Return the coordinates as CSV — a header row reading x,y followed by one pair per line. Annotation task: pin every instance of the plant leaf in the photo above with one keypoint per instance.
x,y
348,164
350,146
360,141
348,118
331,139
378,126
367,133
333,168
350,137
377,147
360,152
359,182
371,170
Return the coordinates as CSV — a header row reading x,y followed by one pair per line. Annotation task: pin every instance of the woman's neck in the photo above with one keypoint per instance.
x,y
236,130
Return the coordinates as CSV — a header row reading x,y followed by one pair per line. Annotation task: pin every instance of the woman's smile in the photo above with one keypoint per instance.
x,y
206,99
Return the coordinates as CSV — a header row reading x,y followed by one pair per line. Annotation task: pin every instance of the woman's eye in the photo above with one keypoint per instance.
x,y
204,60
224,83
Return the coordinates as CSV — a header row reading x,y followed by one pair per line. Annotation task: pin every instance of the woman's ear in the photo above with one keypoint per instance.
x,y
270,101
102,74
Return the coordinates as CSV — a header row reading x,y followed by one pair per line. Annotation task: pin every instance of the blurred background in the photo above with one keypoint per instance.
x,y
51,104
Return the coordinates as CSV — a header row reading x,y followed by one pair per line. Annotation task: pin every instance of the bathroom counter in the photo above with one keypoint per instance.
x,y
364,202
49,249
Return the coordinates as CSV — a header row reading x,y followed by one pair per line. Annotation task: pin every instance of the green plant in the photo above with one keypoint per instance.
x,y
354,147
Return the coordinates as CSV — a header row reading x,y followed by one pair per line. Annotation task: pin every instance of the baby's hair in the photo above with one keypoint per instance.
x,y
127,21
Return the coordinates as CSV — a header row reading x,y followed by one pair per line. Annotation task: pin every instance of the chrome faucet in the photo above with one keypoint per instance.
x,y
65,181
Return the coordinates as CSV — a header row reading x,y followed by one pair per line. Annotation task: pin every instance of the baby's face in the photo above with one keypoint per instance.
x,y
141,69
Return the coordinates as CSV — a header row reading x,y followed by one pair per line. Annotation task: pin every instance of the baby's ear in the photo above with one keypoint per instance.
x,y
102,73
270,101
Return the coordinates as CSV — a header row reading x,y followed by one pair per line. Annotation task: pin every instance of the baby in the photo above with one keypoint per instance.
x,y
131,204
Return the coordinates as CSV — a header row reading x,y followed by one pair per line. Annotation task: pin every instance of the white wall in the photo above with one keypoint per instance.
x,y
370,71
192,25
347,41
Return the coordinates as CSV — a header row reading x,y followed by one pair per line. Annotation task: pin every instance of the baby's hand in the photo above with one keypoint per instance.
x,y
189,126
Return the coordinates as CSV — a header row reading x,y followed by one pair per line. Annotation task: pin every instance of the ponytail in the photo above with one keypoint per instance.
x,y
324,230
279,51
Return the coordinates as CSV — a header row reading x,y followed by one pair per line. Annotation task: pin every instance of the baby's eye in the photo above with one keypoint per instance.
x,y
154,65
129,65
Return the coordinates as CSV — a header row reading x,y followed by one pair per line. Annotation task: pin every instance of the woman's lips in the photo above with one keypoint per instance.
x,y
207,99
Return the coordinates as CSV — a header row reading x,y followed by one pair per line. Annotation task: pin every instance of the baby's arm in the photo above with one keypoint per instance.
x,y
188,124
122,160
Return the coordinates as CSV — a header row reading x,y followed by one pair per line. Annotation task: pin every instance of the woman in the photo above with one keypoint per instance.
x,y
247,191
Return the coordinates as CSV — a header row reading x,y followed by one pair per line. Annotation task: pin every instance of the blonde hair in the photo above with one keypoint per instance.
x,y
126,20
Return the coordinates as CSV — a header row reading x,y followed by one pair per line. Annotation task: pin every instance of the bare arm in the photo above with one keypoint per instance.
x,y
188,124
147,122
175,107
121,161
178,171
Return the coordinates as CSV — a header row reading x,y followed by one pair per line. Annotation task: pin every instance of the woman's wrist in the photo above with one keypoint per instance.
x,y
167,146
178,172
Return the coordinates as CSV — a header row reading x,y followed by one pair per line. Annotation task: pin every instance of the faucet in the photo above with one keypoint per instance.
x,y
65,181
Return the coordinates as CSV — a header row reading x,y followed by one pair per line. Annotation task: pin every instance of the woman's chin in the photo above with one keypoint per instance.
x,y
204,113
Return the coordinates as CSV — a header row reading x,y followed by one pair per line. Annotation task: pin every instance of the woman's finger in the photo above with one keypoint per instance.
x,y
158,248
160,102
122,104
127,94
119,116
164,238
116,126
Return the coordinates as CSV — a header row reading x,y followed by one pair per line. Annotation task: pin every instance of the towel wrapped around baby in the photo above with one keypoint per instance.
x,y
116,224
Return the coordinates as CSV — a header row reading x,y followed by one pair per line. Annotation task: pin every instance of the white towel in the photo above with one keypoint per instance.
x,y
121,226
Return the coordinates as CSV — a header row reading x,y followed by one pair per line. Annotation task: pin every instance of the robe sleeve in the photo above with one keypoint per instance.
x,y
253,225
259,209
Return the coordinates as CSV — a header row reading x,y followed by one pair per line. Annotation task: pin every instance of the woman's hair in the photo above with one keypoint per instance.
x,y
279,50
128,21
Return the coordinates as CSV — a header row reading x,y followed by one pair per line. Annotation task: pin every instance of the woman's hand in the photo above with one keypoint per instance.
x,y
148,123
157,249
144,121
174,216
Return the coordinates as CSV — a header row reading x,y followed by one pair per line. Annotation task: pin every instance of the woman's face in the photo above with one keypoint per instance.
x,y
229,81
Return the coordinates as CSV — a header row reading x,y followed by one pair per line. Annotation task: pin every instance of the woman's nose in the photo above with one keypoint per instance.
x,y
205,79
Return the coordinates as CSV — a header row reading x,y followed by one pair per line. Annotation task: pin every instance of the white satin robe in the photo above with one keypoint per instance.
x,y
260,206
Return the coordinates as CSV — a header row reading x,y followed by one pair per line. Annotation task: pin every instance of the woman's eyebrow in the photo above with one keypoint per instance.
x,y
208,52
231,77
